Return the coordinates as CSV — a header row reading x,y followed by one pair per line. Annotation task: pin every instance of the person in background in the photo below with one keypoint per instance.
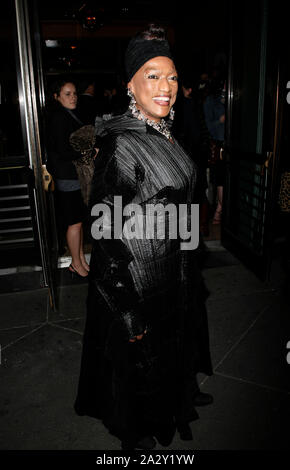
x,y
186,121
114,100
187,129
62,121
87,108
203,82
214,113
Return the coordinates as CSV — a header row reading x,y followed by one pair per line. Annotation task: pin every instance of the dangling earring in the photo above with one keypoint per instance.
x,y
132,97
132,104
171,114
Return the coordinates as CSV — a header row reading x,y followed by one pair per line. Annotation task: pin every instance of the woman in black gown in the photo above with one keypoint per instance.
x,y
146,334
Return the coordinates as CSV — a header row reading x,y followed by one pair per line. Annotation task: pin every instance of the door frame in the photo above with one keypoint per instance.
x,y
30,123
269,159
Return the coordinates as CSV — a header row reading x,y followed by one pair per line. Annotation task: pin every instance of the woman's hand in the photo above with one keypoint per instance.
x,y
138,337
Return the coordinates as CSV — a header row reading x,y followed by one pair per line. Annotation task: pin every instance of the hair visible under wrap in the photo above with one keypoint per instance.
x,y
145,46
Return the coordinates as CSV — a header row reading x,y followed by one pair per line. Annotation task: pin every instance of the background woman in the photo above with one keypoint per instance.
x,y
214,113
146,332
61,123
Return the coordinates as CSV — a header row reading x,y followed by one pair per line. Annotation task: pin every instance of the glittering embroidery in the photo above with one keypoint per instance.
x,y
160,126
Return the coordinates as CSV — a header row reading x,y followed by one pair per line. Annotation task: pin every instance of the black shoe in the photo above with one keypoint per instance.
x,y
146,443
74,273
203,399
184,431
165,434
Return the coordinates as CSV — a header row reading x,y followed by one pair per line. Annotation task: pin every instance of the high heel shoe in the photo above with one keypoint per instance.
x,y
146,443
86,267
74,272
165,434
184,431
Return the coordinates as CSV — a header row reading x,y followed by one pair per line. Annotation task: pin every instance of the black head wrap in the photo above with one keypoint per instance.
x,y
140,50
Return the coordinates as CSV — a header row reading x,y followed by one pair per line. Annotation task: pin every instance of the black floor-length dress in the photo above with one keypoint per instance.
x,y
144,387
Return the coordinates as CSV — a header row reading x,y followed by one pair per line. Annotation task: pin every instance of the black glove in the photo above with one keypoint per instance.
x,y
133,323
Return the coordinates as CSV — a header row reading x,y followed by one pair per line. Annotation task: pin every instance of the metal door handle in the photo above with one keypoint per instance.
x,y
268,159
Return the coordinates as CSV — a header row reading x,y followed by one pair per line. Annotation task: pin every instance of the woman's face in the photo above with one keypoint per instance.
x,y
155,87
67,96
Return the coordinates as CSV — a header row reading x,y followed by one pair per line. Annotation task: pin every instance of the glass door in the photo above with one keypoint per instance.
x,y
253,114
26,217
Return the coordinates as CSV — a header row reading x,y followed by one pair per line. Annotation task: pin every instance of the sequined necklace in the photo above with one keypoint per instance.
x,y
160,126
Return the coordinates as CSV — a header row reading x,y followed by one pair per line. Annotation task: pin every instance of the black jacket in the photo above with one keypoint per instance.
x,y
60,125
138,284
87,109
138,163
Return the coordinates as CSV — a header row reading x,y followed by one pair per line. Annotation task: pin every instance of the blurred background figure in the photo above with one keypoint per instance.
x,y
87,109
114,100
203,82
187,127
186,122
214,113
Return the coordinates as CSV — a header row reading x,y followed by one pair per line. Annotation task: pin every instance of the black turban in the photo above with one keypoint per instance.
x,y
141,50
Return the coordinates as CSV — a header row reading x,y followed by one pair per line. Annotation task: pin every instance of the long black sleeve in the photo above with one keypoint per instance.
x,y
61,128
111,257
60,153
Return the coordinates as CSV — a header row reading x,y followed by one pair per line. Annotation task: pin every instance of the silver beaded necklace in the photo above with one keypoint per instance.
x,y
160,126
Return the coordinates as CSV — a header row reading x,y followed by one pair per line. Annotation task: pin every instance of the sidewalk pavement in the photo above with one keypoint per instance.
x,y
249,325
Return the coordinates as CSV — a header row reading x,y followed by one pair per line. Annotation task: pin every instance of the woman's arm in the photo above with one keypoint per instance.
x,y
60,131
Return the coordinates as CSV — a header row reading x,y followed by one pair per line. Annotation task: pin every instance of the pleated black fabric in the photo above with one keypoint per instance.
x,y
148,386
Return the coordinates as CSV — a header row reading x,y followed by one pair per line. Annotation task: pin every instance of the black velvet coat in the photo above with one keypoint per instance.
x,y
148,386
